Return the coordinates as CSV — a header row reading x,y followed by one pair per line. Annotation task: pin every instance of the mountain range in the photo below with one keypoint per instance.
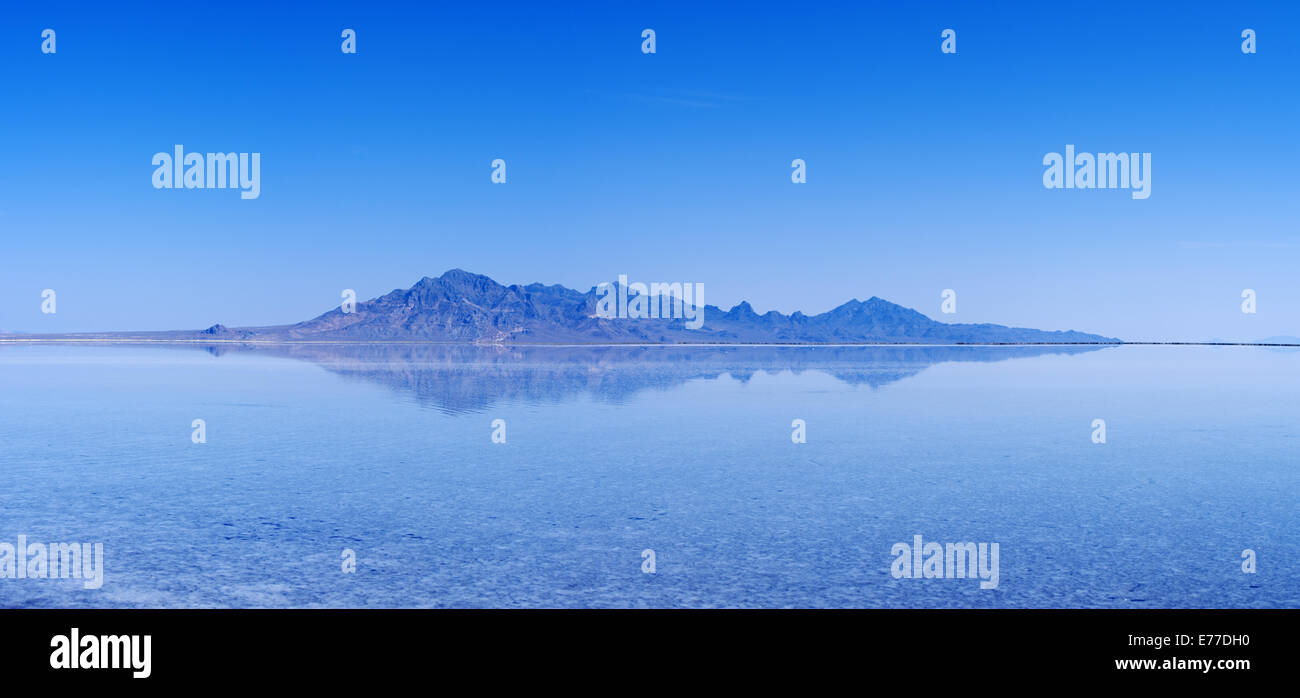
x,y
462,307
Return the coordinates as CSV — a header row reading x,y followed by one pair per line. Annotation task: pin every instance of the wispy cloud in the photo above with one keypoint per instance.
x,y
1209,244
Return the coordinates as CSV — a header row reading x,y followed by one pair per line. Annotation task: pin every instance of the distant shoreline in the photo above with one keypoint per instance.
x,y
131,340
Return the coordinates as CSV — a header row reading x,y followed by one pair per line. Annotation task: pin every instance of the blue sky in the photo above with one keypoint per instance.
x,y
924,169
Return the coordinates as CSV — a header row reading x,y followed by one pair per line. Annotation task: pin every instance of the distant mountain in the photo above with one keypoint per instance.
x,y
471,308
463,308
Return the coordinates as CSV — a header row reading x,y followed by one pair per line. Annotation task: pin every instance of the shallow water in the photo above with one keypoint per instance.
x,y
387,451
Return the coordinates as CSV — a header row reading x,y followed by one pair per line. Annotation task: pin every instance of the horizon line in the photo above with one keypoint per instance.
x,y
72,339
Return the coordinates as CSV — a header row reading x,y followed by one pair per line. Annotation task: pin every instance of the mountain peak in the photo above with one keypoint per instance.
x,y
452,276
459,274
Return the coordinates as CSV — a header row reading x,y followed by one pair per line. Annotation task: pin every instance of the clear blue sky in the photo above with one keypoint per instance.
x,y
924,169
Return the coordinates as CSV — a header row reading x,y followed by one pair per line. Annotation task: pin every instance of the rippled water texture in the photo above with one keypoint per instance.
x,y
387,451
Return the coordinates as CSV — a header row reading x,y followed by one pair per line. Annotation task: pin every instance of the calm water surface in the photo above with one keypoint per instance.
x,y
387,450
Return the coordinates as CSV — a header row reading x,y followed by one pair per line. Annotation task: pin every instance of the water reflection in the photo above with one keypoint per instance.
x,y
470,378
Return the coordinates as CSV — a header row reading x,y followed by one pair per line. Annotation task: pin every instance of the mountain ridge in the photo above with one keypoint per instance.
x,y
460,306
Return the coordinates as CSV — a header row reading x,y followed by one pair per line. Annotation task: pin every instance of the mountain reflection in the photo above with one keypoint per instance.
x,y
472,378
